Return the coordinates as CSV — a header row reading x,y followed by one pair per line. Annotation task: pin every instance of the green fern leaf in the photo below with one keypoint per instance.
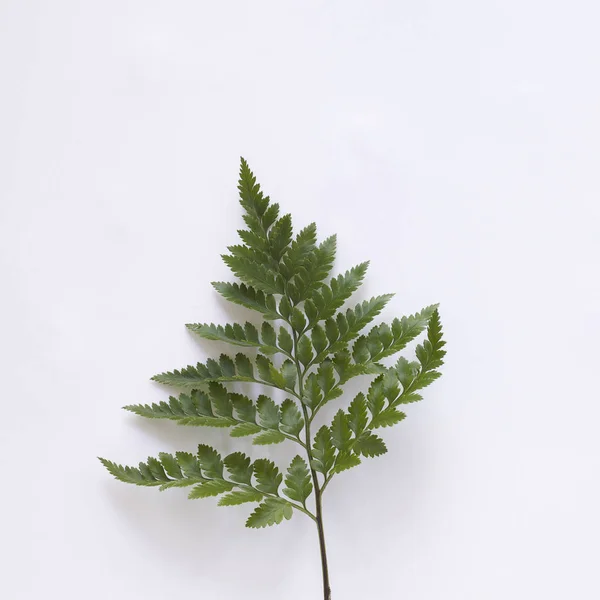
x,y
305,351
388,417
210,462
298,483
271,512
239,467
376,399
344,461
255,274
298,253
369,445
268,373
243,408
244,429
346,326
330,297
316,269
126,474
268,437
287,278
290,374
171,465
292,422
248,297
285,340
384,341
323,451
327,382
209,489
226,370
268,413
240,497
260,214
190,465
313,396
267,476
246,336
341,434
280,237
357,414
180,471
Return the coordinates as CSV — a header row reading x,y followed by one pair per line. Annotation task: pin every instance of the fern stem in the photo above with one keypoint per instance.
x,y
315,479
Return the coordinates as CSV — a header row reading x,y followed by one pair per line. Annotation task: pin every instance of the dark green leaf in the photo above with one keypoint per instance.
x,y
291,418
285,340
298,320
341,434
369,445
220,400
357,414
249,297
390,416
323,451
345,461
267,476
290,374
244,408
244,429
271,512
210,488
268,437
268,412
171,465
298,483
268,335
319,339
305,350
240,497
210,462
312,392
239,467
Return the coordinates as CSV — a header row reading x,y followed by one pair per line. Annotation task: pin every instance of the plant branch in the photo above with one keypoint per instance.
x,y
316,486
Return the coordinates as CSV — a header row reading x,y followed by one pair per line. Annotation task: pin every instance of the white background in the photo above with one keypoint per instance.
x,y
455,144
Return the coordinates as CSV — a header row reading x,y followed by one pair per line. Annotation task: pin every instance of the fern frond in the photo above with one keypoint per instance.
x,y
384,340
259,213
297,255
351,432
324,345
298,484
220,408
249,297
226,370
271,512
246,335
154,474
346,326
380,342
255,274
245,481
323,303
323,451
316,268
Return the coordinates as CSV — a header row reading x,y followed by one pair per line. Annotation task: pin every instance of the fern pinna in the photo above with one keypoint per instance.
x,y
308,347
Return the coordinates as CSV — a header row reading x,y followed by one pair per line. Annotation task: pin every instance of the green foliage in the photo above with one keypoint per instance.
x,y
240,335
217,407
298,483
308,346
323,451
271,512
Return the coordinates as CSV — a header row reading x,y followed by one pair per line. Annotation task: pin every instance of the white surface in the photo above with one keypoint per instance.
x,y
455,144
